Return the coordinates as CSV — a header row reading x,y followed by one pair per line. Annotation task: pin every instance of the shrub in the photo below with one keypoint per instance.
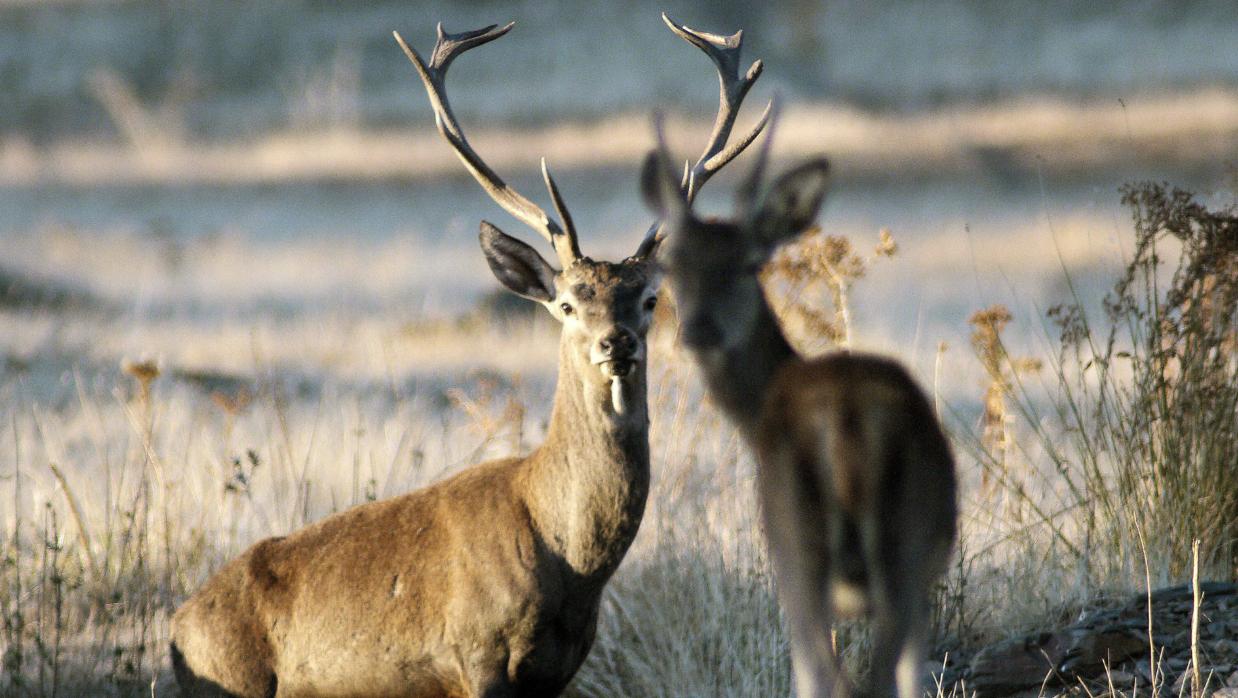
x,y
1142,430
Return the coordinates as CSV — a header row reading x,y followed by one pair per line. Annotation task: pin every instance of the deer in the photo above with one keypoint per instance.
x,y
855,479
486,584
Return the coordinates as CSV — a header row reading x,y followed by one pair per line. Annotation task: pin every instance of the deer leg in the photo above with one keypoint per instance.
x,y
886,623
899,610
798,545
908,671
899,630
800,591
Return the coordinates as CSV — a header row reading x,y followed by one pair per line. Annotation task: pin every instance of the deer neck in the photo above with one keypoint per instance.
x,y
739,377
588,482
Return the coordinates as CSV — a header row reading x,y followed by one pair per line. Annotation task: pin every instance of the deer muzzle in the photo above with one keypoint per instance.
x,y
616,355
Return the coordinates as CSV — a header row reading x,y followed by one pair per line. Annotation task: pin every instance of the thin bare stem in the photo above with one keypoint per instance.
x,y
79,520
1197,685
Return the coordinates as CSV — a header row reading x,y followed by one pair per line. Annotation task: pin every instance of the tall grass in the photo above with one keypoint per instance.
x,y
124,500
1137,424
122,494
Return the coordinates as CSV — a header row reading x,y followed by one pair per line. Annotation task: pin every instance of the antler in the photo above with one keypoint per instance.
x,y
446,49
724,52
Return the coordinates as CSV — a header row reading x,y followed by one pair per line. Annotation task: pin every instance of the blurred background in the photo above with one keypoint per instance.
x,y
221,71
240,288
194,166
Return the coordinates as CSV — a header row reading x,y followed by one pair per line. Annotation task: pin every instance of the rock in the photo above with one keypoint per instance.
x,y
1090,650
1144,668
1074,652
1009,666
1182,685
1216,675
1117,638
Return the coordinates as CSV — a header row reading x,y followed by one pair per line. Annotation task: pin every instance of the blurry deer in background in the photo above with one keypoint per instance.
x,y
485,584
855,478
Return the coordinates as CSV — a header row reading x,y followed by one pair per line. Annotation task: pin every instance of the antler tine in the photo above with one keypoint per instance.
x,y
561,209
433,75
750,188
724,51
653,236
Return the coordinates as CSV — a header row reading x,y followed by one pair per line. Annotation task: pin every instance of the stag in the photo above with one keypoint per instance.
x,y
855,478
486,584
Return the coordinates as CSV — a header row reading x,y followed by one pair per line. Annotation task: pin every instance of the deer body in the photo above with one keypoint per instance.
x,y
486,584
492,577
855,478
857,489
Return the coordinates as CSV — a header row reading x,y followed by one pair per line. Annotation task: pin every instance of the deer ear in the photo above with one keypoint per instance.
x,y
516,265
660,188
792,202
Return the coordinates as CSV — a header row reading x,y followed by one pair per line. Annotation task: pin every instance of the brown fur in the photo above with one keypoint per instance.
x,y
855,478
870,518
485,584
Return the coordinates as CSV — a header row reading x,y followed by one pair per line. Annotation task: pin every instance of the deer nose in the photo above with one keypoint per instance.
x,y
619,344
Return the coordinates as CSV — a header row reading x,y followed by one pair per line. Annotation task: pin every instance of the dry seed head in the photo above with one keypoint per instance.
x,y
232,403
143,371
887,247
986,337
808,282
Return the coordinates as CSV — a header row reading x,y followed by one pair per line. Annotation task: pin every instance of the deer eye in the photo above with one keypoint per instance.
x,y
651,303
566,308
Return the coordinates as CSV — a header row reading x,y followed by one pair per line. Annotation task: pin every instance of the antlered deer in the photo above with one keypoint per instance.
x,y
486,584
855,478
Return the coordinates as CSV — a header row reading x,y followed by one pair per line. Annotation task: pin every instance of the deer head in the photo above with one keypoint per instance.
x,y
605,307
714,264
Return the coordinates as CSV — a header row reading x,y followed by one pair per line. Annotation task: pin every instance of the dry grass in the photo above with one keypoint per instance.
x,y
124,489
810,281
1138,419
